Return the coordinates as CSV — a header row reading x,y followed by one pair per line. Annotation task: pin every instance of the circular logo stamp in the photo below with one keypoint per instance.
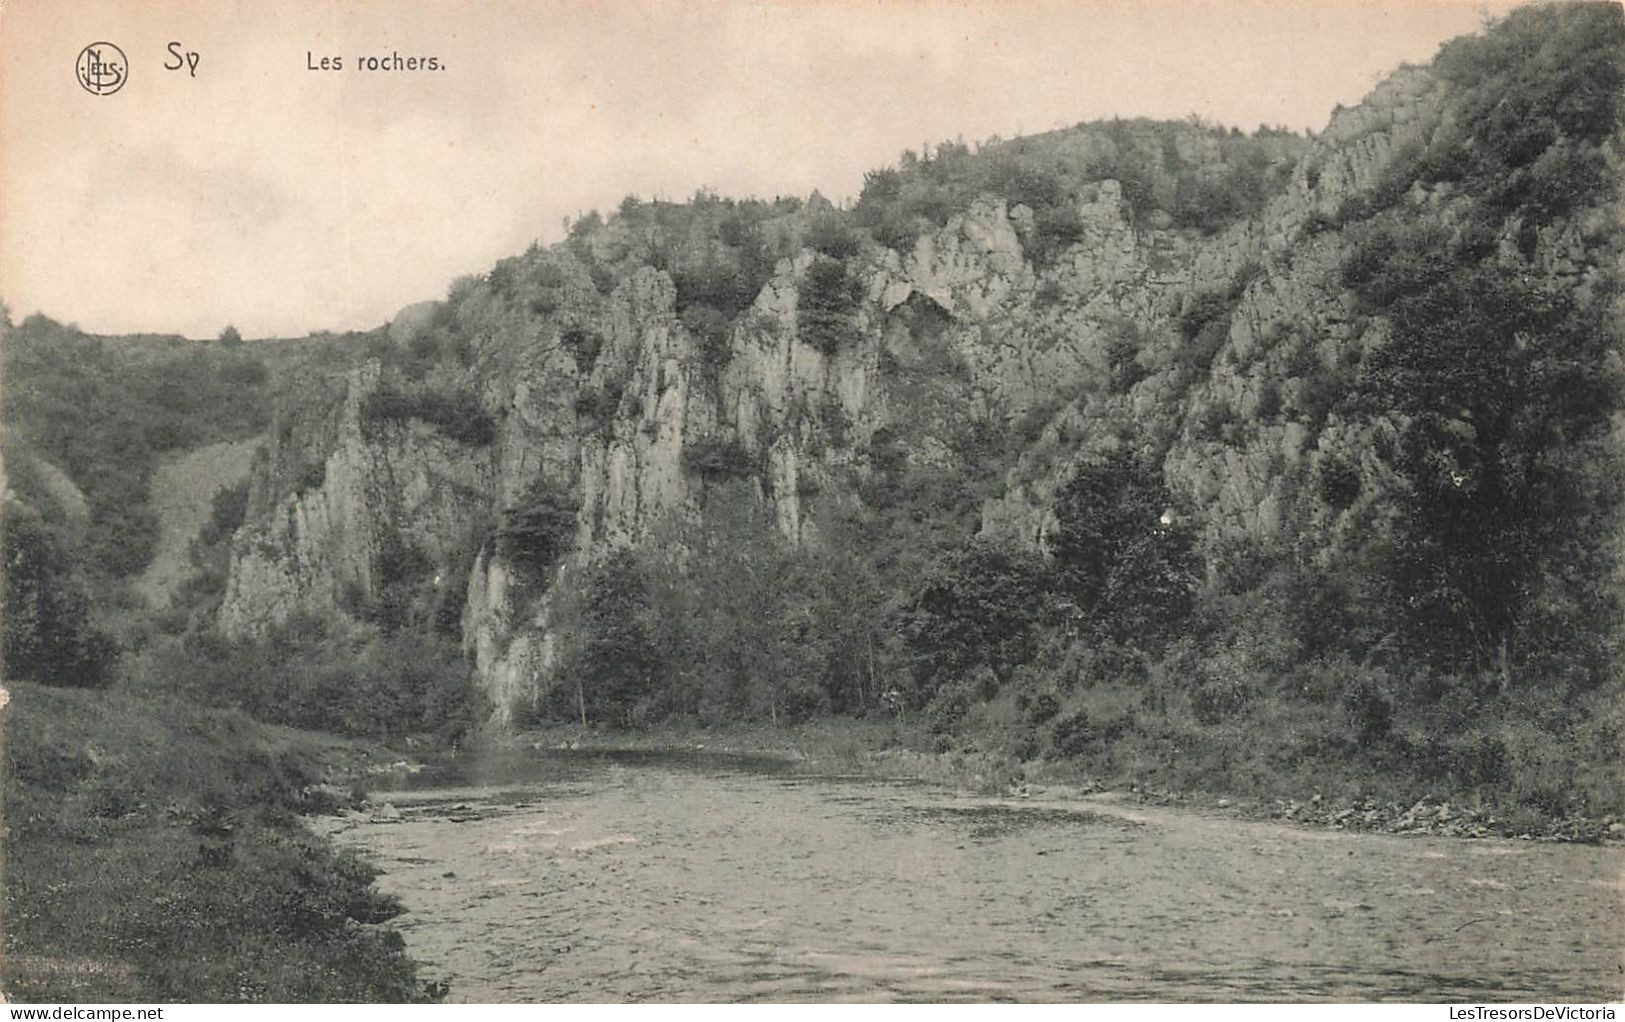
x,y
102,69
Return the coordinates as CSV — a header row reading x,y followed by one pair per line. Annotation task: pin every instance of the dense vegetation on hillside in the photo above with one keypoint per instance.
x,y
1463,634
154,850
1493,392
1193,174
1465,643
104,410
1437,615
86,420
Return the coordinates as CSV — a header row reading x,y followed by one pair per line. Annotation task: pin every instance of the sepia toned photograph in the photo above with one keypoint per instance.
x,y
809,501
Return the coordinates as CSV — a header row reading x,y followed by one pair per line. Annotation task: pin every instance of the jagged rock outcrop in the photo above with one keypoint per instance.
x,y
607,372
317,549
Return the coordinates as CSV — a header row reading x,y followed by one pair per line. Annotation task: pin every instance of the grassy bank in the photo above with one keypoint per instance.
x,y
155,852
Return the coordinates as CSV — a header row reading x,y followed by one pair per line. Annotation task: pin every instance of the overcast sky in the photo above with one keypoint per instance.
x,y
284,200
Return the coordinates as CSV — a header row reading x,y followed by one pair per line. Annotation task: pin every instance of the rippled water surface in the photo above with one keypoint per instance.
x,y
592,877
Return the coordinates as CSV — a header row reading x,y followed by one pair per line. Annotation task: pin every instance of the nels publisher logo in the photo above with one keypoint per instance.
x,y
102,69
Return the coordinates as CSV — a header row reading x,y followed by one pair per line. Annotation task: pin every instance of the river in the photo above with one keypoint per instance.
x,y
666,877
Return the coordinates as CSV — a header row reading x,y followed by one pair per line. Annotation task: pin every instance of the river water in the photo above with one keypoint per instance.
x,y
664,877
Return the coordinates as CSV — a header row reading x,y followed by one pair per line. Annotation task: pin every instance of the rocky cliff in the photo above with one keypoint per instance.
x,y
1026,327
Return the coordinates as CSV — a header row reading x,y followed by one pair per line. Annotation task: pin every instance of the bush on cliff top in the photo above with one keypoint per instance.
x,y
826,306
458,414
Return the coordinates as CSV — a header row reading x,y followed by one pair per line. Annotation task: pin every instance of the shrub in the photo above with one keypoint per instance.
x,y
713,329
714,458
830,235
1218,697
584,345
719,283
826,306
600,404
947,709
1213,420
1337,482
1367,702
1043,708
311,476
226,513
1269,401
1122,358
48,631
122,538
538,529
458,415
1071,735
1202,311
1205,327
1479,758
1056,228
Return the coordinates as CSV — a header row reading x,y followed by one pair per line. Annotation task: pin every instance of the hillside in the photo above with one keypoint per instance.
x,y
1181,455
135,874
182,493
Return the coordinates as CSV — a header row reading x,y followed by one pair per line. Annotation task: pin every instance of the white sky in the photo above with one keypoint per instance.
x,y
284,200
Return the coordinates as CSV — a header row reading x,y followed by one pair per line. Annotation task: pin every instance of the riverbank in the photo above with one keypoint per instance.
x,y
156,851
904,749
714,871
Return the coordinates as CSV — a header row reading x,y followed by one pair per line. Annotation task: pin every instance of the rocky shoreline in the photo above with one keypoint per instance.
x,y
827,751
1424,817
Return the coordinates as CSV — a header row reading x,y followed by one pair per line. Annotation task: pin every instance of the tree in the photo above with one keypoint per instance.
x,y
400,581
1502,396
1123,554
976,608
614,661
47,630
850,615
826,304
754,614
538,529
230,337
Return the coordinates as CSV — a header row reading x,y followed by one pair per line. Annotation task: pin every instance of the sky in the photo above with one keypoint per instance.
x,y
252,190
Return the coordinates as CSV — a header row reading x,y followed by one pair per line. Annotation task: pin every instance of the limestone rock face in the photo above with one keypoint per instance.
x,y
599,387
317,548
1289,311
